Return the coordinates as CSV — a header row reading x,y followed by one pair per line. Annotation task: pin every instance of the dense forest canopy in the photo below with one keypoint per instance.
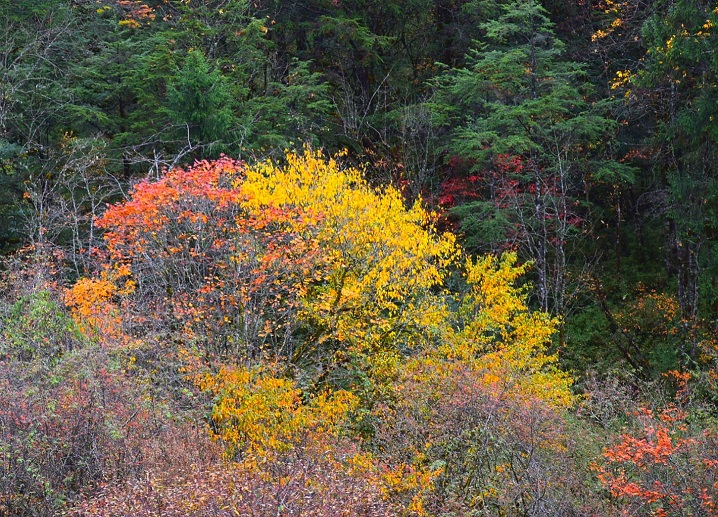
x,y
342,257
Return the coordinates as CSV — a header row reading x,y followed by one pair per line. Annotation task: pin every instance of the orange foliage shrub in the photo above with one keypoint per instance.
x,y
93,306
202,264
664,467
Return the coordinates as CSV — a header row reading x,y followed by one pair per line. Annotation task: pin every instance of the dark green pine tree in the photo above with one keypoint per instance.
x,y
200,102
522,114
276,101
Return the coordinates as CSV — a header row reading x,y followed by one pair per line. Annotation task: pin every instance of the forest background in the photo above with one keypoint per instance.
x,y
407,257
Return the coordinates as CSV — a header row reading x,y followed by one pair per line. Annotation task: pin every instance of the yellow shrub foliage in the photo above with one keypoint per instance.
x,y
262,414
497,333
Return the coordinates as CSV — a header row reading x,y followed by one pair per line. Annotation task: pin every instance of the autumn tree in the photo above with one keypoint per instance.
x,y
301,263
306,262
299,260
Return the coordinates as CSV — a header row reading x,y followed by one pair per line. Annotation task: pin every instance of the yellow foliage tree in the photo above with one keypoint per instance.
x,y
383,262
